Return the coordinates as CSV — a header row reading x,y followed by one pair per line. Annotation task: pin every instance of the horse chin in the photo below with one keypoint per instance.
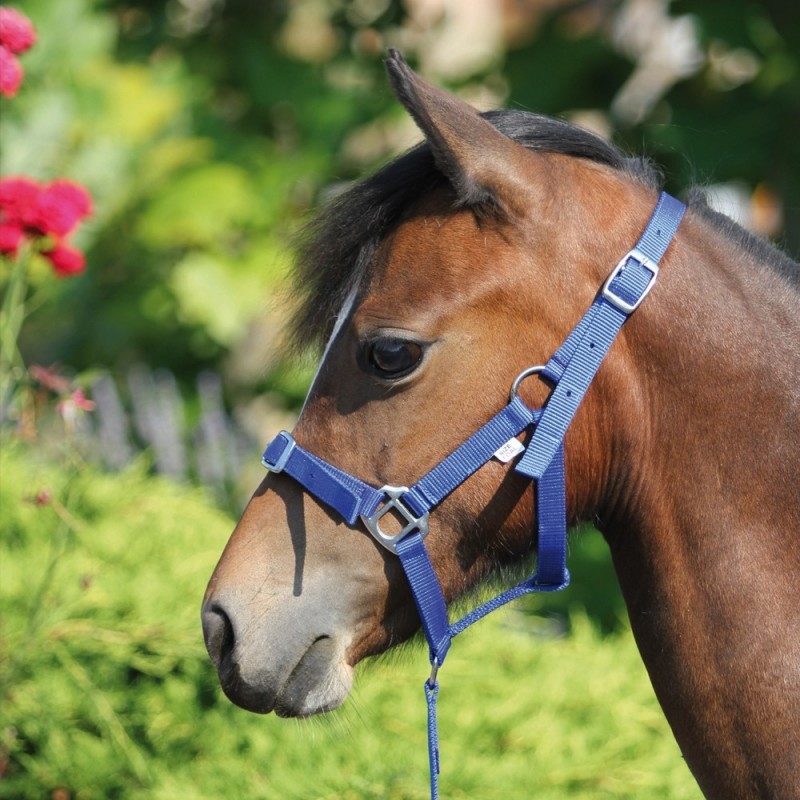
x,y
320,682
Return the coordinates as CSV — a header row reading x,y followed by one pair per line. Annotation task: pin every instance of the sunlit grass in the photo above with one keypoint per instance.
x,y
107,691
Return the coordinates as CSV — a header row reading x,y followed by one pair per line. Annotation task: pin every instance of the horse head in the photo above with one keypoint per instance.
x,y
434,283
445,300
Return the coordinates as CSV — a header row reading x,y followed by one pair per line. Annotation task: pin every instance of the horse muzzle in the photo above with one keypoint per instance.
x,y
294,673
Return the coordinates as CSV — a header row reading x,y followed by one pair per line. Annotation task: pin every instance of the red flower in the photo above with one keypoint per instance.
x,y
66,260
53,211
61,206
19,201
16,30
11,236
11,72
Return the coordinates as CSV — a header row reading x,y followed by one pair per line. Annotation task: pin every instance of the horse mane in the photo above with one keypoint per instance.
x,y
335,249
760,249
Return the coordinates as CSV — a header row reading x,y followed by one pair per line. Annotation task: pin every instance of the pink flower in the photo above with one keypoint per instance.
x,y
29,209
11,73
19,201
16,30
66,260
82,401
70,407
11,236
50,378
61,206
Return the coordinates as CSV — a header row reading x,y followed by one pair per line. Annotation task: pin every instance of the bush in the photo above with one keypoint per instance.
x,y
106,690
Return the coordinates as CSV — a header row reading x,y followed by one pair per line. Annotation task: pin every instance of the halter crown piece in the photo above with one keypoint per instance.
x,y
571,369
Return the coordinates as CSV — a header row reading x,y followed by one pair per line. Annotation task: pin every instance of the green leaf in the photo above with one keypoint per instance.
x,y
201,208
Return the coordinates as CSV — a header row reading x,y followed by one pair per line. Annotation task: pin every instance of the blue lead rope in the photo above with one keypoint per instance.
x,y
431,696
551,576
571,368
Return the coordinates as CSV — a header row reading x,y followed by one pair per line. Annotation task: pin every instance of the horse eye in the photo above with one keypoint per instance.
x,y
393,358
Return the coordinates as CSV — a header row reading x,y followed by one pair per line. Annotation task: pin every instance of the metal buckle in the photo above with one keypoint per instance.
x,y
395,503
289,446
623,305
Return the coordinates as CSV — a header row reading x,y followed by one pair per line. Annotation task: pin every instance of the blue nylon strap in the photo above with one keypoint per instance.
x,y
343,492
352,497
451,472
576,362
661,228
427,593
551,514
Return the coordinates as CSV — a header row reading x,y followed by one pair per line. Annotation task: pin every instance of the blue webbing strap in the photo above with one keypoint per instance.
x,y
353,498
343,492
427,593
576,362
451,472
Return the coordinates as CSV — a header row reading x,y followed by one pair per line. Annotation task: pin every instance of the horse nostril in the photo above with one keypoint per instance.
x,y
218,633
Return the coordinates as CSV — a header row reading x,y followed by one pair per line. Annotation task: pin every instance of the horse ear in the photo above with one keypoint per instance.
x,y
473,155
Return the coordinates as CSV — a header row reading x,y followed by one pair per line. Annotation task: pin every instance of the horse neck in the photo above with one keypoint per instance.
x,y
700,509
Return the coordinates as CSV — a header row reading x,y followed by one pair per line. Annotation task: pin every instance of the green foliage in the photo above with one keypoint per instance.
x,y
106,691
205,140
207,131
189,238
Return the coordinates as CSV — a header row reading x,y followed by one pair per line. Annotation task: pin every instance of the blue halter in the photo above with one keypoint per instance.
x,y
571,368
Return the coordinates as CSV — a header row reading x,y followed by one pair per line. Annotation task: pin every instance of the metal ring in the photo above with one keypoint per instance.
x,y
526,373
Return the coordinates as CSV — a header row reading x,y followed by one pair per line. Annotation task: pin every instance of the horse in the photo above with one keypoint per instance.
x,y
429,286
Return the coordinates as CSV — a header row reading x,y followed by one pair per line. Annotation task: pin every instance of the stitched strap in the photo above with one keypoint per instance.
x,y
343,492
452,471
353,498
576,362
427,594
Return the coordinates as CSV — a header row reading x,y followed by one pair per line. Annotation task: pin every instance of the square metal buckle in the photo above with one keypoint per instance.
x,y
640,258
288,447
395,503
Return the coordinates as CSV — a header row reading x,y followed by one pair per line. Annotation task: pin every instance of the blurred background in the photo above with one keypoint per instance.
x,y
207,132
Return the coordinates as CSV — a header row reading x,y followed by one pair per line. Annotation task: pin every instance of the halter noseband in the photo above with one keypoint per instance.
x,y
571,369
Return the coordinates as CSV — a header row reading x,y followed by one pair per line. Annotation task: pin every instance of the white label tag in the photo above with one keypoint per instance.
x,y
513,447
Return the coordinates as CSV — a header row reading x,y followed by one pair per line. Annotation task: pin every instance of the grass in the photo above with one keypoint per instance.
x,y
106,691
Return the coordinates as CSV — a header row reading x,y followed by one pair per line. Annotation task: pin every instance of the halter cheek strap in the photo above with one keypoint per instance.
x,y
571,368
